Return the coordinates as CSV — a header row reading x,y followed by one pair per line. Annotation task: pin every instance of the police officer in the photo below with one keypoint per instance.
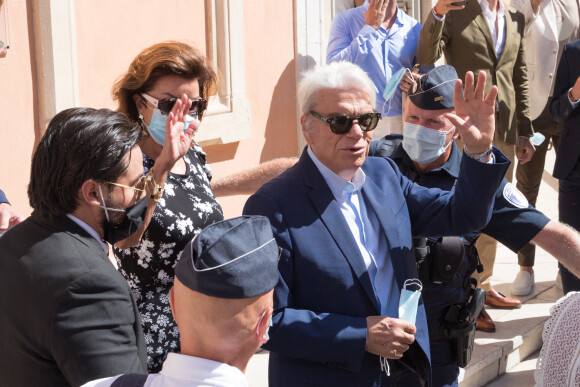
x,y
427,155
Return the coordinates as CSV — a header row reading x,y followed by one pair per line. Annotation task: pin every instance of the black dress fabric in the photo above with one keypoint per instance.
x,y
186,207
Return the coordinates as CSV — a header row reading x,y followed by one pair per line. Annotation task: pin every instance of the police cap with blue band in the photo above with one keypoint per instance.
x,y
234,258
434,89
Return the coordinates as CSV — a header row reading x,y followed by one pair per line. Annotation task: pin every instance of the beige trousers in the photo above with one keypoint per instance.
x,y
487,246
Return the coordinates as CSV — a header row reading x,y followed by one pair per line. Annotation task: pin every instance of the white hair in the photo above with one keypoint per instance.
x,y
336,75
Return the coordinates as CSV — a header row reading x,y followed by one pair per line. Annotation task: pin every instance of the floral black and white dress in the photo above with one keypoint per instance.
x,y
186,207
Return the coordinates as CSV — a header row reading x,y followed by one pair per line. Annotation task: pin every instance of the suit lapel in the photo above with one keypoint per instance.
x,y
549,16
474,9
330,214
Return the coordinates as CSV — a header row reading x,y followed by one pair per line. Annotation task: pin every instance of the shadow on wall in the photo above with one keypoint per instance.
x,y
39,128
282,134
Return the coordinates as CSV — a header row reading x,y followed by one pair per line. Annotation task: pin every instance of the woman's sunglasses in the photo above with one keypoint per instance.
x,y
165,105
342,124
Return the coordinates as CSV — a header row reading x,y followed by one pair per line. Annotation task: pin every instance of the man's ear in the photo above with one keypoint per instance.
x,y
90,194
263,324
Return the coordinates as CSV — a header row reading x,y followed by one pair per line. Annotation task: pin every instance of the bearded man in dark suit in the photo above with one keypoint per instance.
x,y
68,316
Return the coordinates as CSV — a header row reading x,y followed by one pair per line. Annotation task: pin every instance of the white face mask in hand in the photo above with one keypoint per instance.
x,y
409,300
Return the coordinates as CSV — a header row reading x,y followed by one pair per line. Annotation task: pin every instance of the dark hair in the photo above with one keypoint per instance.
x,y
79,144
159,60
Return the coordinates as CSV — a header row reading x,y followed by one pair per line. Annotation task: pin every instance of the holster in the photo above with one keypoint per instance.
x,y
462,339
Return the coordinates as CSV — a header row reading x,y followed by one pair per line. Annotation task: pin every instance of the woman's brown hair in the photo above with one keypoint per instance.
x,y
159,60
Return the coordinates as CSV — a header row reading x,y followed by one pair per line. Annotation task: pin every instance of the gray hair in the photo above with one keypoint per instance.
x,y
336,75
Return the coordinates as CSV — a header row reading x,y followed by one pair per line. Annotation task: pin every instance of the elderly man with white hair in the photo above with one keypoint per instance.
x,y
344,311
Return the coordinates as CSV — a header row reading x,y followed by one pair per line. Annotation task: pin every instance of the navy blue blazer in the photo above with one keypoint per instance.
x,y
569,148
325,294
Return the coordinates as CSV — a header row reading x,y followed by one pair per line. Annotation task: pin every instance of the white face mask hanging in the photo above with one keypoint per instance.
x,y
409,300
391,86
408,304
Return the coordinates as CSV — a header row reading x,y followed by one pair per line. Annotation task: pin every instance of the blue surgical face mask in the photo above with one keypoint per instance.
x,y
409,300
393,82
156,127
424,145
391,86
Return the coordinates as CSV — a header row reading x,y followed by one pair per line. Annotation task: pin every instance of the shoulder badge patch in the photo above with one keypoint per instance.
x,y
514,196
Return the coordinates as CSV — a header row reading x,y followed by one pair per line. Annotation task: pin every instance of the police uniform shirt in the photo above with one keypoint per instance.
x,y
513,223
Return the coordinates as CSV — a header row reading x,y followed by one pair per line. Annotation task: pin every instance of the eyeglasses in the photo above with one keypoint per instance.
x,y
342,124
138,188
198,105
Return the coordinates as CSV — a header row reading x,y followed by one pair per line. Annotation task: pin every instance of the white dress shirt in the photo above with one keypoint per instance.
x,y
499,35
182,370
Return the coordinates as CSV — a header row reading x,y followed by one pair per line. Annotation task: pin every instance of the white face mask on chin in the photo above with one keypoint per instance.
x,y
424,145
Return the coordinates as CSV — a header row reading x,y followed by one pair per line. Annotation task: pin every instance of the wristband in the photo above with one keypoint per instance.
x,y
437,13
478,156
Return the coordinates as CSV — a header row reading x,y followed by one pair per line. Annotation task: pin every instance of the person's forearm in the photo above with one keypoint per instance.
x,y
562,242
429,45
248,181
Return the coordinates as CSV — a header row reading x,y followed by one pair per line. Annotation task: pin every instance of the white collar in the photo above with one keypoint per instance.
x,y
194,368
337,184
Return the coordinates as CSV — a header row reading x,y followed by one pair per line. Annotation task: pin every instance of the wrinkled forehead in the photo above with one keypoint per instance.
x,y
412,110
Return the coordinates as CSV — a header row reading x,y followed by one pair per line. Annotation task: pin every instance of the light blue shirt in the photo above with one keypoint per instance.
x,y
379,53
367,233
90,231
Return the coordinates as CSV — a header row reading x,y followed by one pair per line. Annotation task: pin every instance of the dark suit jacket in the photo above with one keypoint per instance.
x,y
68,316
466,40
569,148
325,294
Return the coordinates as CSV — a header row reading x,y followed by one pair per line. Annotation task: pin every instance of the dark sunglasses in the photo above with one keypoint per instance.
x,y
165,105
342,124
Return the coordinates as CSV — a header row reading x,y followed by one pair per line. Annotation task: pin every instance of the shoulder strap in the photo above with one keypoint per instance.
x,y
130,380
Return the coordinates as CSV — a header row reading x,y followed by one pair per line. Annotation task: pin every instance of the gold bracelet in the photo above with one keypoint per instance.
x,y
156,189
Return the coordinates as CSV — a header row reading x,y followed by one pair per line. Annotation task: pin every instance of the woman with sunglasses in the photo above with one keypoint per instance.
x,y
157,78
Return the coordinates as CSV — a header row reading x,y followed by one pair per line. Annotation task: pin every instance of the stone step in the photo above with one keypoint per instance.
x,y
521,375
518,335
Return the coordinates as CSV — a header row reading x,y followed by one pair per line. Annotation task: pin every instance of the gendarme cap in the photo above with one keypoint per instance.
x,y
233,258
435,89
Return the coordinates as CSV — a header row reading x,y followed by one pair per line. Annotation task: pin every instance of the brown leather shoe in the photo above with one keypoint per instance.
x,y
498,300
484,322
